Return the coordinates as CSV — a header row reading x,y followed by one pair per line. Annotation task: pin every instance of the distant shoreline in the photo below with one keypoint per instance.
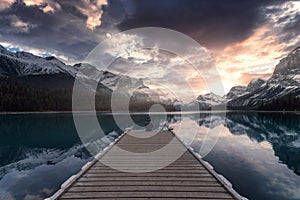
x,y
48,112
172,112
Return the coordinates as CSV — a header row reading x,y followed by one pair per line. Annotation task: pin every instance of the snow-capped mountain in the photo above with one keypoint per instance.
x,y
206,101
115,82
49,72
107,78
236,91
284,81
209,100
255,84
22,64
36,71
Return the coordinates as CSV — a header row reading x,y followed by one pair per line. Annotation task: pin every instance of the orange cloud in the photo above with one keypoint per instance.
x,y
19,25
93,11
46,5
6,4
251,58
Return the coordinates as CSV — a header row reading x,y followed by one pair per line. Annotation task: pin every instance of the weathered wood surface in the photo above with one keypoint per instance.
x,y
185,178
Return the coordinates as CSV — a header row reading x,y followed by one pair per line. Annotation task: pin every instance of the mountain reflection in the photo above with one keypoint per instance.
x,y
43,145
281,130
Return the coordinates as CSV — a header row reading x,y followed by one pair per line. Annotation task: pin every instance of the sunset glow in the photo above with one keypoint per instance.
x,y
241,47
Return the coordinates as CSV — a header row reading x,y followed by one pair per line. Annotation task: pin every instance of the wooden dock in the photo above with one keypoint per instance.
x,y
112,176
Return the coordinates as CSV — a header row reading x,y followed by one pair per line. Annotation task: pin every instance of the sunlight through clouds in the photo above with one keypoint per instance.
x,y
256,55
155,65
242,48
45,5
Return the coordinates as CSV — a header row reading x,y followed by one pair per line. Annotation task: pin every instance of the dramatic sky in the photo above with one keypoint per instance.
x,y
245,38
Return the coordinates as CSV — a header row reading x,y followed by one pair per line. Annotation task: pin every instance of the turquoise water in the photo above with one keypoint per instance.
x,y
259,153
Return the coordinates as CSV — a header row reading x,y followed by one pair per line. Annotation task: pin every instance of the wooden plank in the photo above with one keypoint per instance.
x,y
203,179
188,183
145,194
162,171
194,175
172,169
117,158
168,168
184,178
154,198
139,198
154,163
148,188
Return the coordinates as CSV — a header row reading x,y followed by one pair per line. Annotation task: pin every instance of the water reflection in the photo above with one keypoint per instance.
x,y
38,152
282,131
258,152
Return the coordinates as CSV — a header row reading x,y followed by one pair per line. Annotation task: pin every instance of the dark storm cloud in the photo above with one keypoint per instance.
x,y
64,32
213,23
285,20
113,13
69,8
290,32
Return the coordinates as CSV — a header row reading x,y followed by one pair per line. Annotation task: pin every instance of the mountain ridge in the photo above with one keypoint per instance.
x,y
51,73
284,81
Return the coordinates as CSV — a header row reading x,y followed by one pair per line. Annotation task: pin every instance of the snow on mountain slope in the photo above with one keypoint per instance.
x,y
289,64
284,81
21,64
115,82
132,85
235,92
297,78
238,91
210,98
205,102
255,84
35,69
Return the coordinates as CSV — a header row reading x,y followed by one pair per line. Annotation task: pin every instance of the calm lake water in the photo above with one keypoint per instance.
x,y
259,153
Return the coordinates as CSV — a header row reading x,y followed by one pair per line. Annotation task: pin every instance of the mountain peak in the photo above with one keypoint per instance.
x,y
24,54
289,64
51,58
235,92
256,80
3,49
297,50
255,84
210,97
